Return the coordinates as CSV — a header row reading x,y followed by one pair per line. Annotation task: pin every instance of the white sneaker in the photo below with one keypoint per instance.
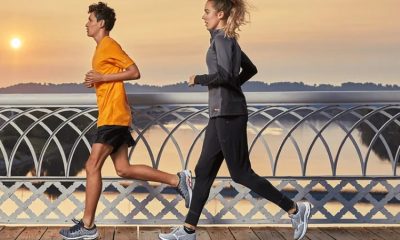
x,y
185,186
177,233
300,219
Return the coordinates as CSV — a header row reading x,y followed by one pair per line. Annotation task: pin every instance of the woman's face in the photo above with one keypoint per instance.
x,y
212,18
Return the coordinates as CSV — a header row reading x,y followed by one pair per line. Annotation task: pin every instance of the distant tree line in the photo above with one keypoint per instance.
x,y
253,86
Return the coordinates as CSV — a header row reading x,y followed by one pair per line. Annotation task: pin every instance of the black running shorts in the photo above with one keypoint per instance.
x,y
113,135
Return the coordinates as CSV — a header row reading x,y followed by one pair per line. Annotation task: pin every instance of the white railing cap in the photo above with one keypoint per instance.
x,y
311,97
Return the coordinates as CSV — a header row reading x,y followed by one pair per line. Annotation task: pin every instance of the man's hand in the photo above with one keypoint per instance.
x,y
191,81
92,77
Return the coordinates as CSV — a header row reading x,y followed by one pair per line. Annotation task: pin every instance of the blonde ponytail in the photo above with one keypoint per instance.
x,y
236,13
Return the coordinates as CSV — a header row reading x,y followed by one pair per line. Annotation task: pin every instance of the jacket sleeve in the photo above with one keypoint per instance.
x,y
248,69
224,51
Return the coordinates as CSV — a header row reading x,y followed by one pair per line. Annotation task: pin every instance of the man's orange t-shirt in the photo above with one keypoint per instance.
x,y
111,96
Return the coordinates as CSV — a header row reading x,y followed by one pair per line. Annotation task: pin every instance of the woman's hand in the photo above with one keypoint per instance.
x,y
92,77
191,81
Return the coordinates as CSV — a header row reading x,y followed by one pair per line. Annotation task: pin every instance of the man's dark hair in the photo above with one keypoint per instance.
x,y
103,12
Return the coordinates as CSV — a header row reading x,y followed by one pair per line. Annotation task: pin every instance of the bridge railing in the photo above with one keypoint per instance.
x,y
338,150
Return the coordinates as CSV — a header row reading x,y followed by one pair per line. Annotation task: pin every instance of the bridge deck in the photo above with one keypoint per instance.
x,y
211,233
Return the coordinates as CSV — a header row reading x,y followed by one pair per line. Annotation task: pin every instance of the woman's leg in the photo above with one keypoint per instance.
x,y
232,134
206,170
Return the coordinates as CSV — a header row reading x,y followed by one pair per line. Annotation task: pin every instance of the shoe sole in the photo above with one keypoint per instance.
x,y
189,184
306,217
90,237
161,238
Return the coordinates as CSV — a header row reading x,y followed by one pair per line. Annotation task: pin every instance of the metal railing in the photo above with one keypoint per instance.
x,y
338,150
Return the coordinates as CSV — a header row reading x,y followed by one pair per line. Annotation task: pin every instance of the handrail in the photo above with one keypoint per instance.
x,y
187,98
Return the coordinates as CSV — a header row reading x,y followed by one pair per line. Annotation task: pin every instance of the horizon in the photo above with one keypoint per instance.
x,y
253,86
184,82
329,42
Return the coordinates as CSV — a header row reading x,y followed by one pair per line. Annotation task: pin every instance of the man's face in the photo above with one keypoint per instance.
x,y
93,26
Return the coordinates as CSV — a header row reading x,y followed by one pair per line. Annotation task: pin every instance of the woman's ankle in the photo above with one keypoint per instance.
x,y
293,210
189,226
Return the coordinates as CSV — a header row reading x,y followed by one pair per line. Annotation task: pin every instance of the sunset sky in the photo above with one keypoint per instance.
x,y
313,41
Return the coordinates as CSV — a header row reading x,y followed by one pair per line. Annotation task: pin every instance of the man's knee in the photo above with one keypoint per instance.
x,y
92,165
122,171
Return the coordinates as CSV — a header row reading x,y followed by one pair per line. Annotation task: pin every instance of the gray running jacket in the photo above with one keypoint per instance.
x,y
224,79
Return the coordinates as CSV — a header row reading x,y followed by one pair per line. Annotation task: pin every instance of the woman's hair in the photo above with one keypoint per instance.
x,y
103,12
235,12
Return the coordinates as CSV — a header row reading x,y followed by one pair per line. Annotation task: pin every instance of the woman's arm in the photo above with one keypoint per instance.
x,y
223,76
248,69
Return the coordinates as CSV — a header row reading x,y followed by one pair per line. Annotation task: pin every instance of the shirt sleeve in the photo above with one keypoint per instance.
x,y
223,76
118,57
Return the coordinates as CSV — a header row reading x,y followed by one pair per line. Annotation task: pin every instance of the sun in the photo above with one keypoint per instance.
x,y
16,43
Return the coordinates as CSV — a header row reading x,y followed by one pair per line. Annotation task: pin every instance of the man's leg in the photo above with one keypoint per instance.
x,y
182,180
140,172
94,182
85,229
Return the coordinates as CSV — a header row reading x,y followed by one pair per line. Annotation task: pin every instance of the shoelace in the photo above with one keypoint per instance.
x,y
174,229
74,220
188,180
78,225
190,183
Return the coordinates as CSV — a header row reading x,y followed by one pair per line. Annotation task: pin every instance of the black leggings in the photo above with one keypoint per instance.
x,y
226,137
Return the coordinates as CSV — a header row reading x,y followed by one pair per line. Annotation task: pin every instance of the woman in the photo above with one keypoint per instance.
x,y
226,133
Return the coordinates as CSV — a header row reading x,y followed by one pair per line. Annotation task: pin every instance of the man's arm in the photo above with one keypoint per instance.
x,y
130,73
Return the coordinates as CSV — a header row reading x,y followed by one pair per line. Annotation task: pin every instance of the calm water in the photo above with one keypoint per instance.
x,y
288,162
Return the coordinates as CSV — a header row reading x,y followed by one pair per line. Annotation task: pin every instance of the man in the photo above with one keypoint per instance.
x,y
110,67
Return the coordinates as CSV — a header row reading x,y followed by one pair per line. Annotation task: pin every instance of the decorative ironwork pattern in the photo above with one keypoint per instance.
x,y
340,156
334,201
